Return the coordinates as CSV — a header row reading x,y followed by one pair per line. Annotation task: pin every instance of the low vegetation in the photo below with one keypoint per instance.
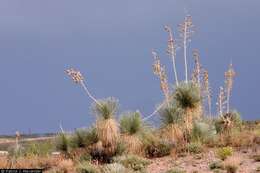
x,y
127,142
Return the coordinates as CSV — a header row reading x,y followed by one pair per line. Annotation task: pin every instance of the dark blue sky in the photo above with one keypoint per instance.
x,y
111,43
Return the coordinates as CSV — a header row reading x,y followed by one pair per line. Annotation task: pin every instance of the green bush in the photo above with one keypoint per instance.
x,y
224,152
203,131
41,148
131,123
86,167
84,137
195,148
154,147
133,162
175,170
62,142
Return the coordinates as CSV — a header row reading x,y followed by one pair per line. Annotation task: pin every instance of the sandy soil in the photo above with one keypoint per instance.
x,y
200,162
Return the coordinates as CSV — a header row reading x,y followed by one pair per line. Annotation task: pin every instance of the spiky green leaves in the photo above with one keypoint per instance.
x,y
170,114
131,123
187,95
106,108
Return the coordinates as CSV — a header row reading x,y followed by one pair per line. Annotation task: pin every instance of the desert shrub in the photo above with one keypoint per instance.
x,y
62,142
107,128
234,120
86,157
203,132
133,162
84,137
132,127
114,168
175,170
39,148
131,123
154,147
224,152
231,164
216,165
194,147
120,149
86,167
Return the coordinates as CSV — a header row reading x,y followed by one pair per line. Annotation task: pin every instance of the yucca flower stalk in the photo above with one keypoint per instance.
x,y
78,78
171,50
221,101
207,89
229,78
196,75
186,31
159,71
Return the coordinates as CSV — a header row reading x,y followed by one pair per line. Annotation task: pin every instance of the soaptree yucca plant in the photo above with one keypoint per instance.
x,y
106,125
172,120
188,99
132,128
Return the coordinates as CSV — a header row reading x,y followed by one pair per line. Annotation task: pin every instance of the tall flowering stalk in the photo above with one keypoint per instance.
x,y
207,89
229,79
186,31
196,75
171,50
159,71
78,78
221,101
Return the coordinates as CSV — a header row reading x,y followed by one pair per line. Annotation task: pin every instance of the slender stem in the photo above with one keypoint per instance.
x,y
185,51
154,112
174,68
228,95
89,94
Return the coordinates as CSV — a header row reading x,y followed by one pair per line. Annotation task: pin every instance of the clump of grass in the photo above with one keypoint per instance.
x,y
133,162
62,142
84,137
175,170
224,152
107,127
231,165
38,148
195,147
131,127
203,131
154,147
